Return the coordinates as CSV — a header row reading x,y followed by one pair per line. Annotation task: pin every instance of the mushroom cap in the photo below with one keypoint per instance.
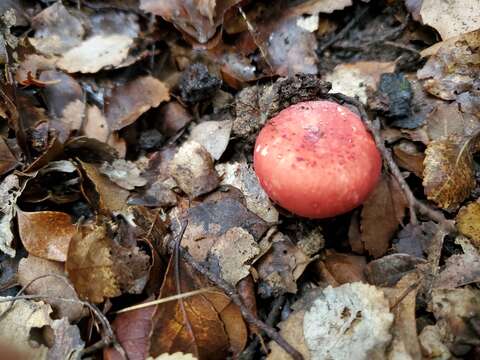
x,y
317,159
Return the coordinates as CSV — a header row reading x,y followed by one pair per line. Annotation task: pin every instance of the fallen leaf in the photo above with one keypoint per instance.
x,y
32,267
415,239
123,173
382,213
213,136
354,79
56,30
7,160
409,156
193,169
16,326
280,268
388,270
127,102
96,53
174,356
109,196
133,330
9,192
206,336
292,331
46,234
68,343
199,19
320,6
343,268
432,343
454,68
173,118
454,311
210,220
451,18
242,176
96,125
405,342
232,253
468,222
448,174
351,319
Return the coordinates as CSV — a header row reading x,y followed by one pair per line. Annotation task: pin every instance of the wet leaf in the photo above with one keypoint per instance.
x,y
127,102
46,234
193,169
448,174
451,18
381,214
207,336
33,267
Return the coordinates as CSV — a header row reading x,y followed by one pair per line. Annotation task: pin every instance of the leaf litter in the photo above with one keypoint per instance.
x,y
127,131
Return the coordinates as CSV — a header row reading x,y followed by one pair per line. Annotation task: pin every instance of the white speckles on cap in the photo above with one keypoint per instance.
x,y
258,148
264,151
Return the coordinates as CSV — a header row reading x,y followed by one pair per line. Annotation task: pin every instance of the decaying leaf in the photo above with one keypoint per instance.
x,y
468,222
454,68
46,234
127,102
381,214
451,18
174,356
454,311
213,136
354,79
338,268
16,326
90,265
292,331
132,329
448,174
432,343
415,239
388,270
193,169
9,191
7,160
351,319
209,220
212,326
322,6
408,156
232,253
33,267
280,268
242,176
199,19
68,342
124,173
96,125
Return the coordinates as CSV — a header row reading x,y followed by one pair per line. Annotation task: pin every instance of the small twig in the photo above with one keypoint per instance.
x,y
405,293
344,31
413,203
237,300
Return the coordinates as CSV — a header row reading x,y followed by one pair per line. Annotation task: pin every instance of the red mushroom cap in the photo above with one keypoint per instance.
x,y
316,159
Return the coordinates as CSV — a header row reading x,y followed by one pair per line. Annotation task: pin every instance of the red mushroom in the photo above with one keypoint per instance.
x,y
316,159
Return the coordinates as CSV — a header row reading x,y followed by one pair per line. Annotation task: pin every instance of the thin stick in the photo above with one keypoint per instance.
x,y
247,314
166,299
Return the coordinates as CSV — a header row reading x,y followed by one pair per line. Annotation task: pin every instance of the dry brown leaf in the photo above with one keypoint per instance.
x,y
381,214
213,136
7,160
96,125
124,173
110,196
174,356
454,68
415,239
242,176
343,268
33,267
432,343
127,102
173,118
208,336
468,222
198,18
46,234
90,265
16,326
193,169
405,342
232,253
133,330
96,53
209,220
320,6
354,79
409,156
292,330
68,343
448,174
56,30
388,270
451,18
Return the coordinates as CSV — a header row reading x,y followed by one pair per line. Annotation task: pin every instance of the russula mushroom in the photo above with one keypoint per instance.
x,y
316,159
